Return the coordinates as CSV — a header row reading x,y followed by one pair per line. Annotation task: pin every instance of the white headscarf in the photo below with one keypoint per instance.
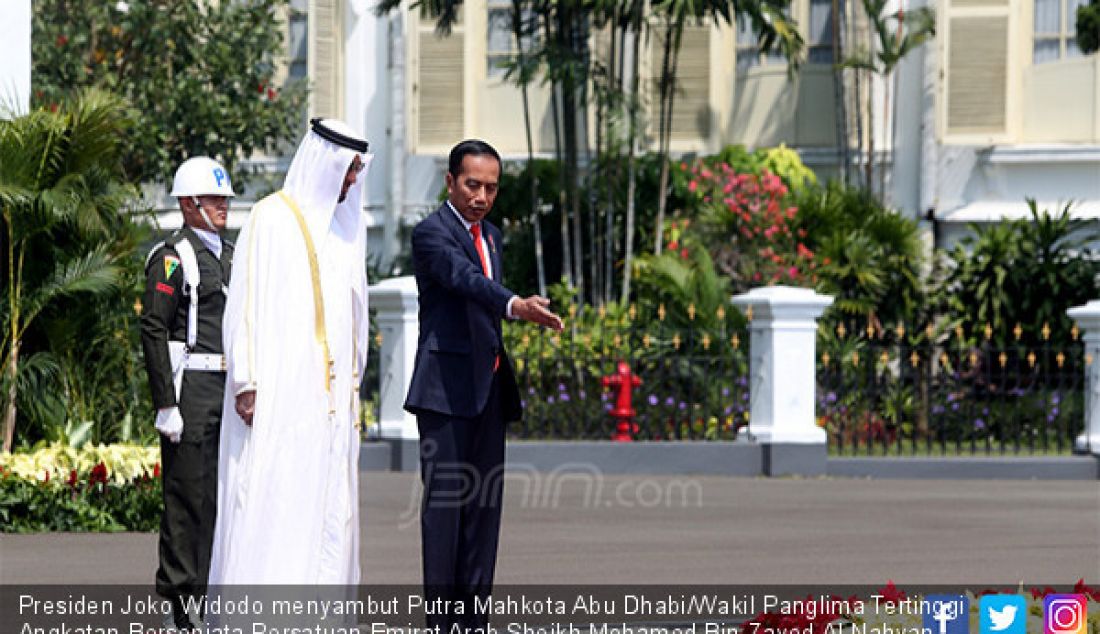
x,y
316,176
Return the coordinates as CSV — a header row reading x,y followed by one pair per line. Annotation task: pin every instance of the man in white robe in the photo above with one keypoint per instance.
x,y
295,338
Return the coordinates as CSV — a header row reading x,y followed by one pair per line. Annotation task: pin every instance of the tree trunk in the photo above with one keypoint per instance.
x,y
13,344
615,87
517,31
888,134
668,82
631,170
555,110
9,413
840,116
869,167
857,104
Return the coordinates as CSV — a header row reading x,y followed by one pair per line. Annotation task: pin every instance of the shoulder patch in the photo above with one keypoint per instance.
x,y
171,263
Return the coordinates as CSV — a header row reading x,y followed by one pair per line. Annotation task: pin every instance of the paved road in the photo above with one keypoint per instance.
x,y
693,530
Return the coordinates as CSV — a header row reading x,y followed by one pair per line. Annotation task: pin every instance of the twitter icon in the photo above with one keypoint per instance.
x,y
1003,614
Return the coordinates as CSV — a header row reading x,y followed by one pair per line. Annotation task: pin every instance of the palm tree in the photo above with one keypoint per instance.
x,y
60,197
897,34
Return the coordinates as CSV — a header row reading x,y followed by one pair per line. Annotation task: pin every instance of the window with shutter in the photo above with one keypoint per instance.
x,y
977,59
438,100
692,112
325,58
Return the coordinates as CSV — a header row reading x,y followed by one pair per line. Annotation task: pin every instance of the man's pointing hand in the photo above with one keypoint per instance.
x,y
536,310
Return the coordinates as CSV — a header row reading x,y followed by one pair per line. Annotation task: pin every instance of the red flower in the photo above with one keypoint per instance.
x,y
156,470
692,186
62,40
47,476
72,478
891,594
672,246
1081,588
684,253
98,474
260,88
271,94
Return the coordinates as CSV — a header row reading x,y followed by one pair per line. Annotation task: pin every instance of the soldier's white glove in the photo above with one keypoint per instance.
x,y
170,423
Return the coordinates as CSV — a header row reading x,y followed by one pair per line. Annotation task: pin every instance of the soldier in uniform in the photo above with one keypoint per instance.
x,y
181,333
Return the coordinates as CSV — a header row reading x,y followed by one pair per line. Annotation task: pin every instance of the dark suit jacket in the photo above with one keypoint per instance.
x,y
460,322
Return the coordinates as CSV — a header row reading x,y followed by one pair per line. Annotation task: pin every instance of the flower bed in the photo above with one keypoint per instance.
x,y
97,488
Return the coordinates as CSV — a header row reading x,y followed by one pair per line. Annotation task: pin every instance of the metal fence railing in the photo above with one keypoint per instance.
x,y
693,382
880,395
879,391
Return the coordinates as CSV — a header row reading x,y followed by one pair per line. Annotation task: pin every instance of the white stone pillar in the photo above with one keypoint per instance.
x,y
1088,319
782,369
396,301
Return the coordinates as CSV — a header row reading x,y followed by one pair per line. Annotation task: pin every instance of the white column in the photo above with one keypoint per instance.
x,y
15,63
397,302
782,372
1088,319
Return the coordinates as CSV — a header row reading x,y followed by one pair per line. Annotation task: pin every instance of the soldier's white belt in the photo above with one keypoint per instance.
x,y
204,362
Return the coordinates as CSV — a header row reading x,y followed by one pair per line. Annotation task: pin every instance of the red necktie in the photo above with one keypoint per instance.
x,y
476,230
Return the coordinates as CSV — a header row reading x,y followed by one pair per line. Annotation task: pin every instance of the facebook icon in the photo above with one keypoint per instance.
x,y
946,614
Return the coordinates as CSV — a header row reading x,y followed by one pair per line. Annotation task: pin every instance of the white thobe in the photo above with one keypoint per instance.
x,y
288,485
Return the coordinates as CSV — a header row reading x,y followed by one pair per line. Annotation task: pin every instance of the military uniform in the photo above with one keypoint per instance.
x,y
190,467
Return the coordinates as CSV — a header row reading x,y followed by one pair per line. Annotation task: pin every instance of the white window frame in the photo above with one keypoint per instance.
x,y
1066,36
493,69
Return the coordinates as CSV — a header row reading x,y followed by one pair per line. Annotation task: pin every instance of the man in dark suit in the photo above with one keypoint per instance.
x,y
463,390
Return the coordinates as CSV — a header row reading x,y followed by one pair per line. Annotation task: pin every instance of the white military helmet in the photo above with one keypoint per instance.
x,y
201,176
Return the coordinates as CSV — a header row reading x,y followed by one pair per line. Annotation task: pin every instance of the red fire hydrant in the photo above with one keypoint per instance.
x,y
623,413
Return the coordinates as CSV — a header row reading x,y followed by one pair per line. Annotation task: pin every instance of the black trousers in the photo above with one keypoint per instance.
x,y
189,471
462,469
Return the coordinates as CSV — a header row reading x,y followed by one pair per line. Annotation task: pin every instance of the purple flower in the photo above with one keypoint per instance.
x,y
670,401
1054,411
549,400
652,399
523,403
742,381
830,397
937,409
744,396
582,395
531,391
607,407
979,423
564,397
725,391
1055,398
683,405
561,387
985,411
950,398
954,407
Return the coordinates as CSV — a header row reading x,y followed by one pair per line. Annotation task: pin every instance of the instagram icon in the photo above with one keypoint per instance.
x,y
1064,614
